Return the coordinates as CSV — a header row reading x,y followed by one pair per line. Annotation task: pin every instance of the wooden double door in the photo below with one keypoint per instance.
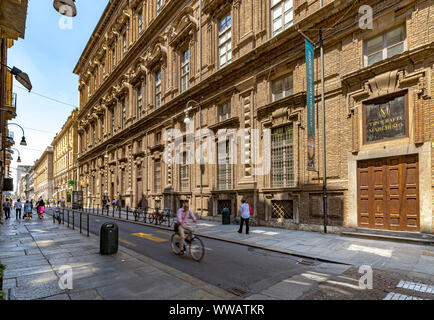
x,y
388,193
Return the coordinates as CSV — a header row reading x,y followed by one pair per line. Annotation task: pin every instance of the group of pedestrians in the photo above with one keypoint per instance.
x,y
19,206
106,203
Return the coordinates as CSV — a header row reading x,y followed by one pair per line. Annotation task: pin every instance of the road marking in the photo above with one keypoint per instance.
x,y
127,242
163,232
149,237
209,249
398,296
420,287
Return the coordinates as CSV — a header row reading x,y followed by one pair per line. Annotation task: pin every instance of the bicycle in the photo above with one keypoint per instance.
x,y
156,217
194,243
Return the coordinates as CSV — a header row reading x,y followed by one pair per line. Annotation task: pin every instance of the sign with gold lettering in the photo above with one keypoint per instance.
x,y
386,120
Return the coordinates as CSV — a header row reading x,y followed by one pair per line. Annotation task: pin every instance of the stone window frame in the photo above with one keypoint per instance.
x,y
280,3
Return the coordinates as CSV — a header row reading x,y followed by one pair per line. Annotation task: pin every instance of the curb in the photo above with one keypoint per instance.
x,y
291,253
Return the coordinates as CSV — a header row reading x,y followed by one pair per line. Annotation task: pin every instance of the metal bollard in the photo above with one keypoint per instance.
x,y
80,221
68,217
88,225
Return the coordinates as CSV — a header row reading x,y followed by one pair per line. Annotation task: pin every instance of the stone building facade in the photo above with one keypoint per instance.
x,y
65,145
240,65
43,175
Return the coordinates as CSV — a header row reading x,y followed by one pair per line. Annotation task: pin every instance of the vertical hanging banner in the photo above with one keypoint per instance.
x,y
310,77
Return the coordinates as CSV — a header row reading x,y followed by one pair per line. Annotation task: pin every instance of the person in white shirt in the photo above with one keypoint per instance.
x,y
18,207
245,216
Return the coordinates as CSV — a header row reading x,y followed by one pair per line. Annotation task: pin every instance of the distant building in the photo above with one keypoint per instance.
x,y
43,175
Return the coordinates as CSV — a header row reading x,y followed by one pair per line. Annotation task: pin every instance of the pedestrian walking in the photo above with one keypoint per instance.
x,y
18,207
114,203
7,209
27,210
245,216
41,208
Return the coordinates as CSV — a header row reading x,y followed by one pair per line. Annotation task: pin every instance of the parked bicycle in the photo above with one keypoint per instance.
x,y
193,242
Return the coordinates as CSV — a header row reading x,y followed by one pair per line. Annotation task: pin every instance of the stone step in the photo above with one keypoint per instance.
x,y
402,236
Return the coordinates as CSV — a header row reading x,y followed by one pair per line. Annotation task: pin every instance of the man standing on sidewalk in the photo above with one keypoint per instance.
x,y
18,207
7,208
245,216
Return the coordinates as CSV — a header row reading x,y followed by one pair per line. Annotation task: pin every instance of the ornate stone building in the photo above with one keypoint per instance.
x,y
240,65
43,175
65,145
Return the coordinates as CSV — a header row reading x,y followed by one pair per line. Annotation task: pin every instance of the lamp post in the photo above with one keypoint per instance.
x,y
23,139
19,155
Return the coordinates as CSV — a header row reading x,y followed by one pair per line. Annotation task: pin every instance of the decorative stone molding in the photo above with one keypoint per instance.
x,y
182,28
157,54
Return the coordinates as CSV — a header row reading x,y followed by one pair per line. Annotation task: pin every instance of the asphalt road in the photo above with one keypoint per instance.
x,y
226,265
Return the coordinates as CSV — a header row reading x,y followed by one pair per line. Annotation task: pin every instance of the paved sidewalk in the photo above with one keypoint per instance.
x,y
405,257
34,252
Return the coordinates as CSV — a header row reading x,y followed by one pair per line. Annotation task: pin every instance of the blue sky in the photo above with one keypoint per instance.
x,y
48,54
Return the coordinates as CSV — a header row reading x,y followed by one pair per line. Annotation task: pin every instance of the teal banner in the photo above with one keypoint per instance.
x,y
310,88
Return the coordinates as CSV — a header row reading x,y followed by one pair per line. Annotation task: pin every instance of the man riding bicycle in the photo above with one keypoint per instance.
x,y
183,215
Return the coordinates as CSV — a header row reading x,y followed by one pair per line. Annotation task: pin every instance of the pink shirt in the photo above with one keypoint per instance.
x,y
183,216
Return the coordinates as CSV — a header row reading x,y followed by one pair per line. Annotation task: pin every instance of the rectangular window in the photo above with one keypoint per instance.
x,y
113,121
224,111
124,113
282,87
282,157
103,70
385,45
225,45
113,58
184,174
282,15
158,89
224,169
159,5
124,43
102,129
157,176
185,70
139,102
140,20
157,138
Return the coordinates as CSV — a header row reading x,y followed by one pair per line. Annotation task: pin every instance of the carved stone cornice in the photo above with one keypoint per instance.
x,y
157,54
294,101
182,28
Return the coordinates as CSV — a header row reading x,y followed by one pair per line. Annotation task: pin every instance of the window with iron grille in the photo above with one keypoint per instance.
x,y
184,174
224,111
224,169
225,45
185,70
282,15
158,89
282,209
157,176
282,157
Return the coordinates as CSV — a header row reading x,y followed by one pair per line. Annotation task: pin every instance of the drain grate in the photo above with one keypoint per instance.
x,y
306,262
238,292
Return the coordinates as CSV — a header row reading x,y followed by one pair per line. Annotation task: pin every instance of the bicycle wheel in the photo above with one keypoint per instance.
x,y
197,249
151,218
174,243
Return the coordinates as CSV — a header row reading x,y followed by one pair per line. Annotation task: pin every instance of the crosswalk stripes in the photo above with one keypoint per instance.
x,y
410,286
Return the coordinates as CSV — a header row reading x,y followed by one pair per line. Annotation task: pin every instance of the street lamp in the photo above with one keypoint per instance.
x,y
23,139
19,155
20,76
65,7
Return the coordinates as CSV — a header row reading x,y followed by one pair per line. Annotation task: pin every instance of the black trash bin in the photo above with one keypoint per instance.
x,y
109,238
226,216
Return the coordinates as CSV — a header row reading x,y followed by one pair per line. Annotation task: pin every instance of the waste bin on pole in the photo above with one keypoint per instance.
x,y
109,238
226,216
